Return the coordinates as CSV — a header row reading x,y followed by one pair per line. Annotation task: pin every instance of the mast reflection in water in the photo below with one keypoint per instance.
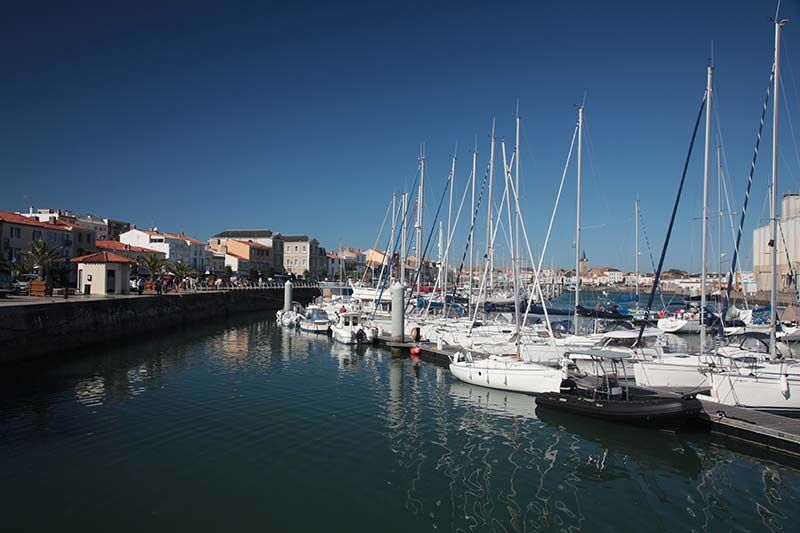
x,y
245,426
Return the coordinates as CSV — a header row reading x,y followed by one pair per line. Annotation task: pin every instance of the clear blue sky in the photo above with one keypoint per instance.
x,y
304,117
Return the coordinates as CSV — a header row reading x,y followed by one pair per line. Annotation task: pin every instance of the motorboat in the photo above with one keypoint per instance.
x,y
606,397
349,329
315,320
290,318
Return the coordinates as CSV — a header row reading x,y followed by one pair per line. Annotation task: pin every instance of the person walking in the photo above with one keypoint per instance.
x,y
158,285
140,286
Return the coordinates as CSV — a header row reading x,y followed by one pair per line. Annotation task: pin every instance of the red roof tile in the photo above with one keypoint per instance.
x,y
119,246
183,237
103,257
16,218
253,244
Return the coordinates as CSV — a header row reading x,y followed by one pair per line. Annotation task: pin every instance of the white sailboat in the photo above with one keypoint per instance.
x,y
769,386
512,373
684,370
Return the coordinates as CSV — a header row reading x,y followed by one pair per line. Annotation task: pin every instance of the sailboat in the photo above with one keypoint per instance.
x,y
511,372
771,386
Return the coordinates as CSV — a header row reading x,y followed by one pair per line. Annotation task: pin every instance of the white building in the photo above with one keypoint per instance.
x,y
104,273
175,248
239,264
762,251
615,276
198,256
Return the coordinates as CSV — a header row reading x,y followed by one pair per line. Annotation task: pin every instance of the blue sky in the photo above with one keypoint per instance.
x,y
304,117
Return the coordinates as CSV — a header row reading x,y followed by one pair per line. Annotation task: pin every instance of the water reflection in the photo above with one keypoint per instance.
x,y
291,418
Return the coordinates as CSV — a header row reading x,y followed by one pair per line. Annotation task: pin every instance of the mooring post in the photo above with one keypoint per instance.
x,y
398,312
287,296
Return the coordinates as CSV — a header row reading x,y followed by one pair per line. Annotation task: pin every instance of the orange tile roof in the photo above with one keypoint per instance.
x,y
183,237
237,256
103,257
253,244
16,218
119,246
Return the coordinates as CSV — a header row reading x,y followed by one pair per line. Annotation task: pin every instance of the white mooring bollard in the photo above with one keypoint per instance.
x,y
398,312
287,296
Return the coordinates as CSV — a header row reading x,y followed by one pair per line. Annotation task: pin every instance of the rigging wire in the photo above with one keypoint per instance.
x,y
657,275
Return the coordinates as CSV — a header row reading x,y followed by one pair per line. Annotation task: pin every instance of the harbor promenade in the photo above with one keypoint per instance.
x,y
32,328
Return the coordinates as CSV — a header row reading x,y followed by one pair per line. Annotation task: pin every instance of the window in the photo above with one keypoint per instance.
x,y
80,237
15,233
37,235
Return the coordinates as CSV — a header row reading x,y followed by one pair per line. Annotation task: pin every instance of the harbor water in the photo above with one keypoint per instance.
x,y
245,426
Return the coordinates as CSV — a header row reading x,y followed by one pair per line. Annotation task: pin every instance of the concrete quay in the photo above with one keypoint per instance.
x,y
31,329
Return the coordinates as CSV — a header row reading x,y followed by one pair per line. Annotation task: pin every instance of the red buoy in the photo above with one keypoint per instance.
x,y
416,350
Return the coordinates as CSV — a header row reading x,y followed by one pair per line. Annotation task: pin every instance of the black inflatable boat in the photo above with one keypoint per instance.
x,y
604,397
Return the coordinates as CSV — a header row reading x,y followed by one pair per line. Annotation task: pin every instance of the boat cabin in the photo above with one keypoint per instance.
x,y
349,319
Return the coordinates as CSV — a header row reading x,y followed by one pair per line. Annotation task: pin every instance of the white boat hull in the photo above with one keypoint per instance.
x,y
679,325
315,327
670,374
763,393
514,376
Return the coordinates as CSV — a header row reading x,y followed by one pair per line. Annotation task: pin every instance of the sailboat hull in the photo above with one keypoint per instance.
x,y
513,376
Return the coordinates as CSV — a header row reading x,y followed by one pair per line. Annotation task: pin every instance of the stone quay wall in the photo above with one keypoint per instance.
x,y
33,331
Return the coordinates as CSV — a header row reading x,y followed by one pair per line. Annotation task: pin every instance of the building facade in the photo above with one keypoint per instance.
x,y
174,248
301,255
762,251
262,236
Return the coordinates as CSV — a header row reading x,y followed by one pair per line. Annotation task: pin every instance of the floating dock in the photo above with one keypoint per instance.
x,y
769,432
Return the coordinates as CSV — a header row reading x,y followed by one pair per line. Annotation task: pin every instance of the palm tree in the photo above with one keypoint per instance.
x,y
154,264
43,256
180,269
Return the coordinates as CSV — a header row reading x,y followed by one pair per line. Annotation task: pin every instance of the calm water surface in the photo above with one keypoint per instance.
x,y
244,426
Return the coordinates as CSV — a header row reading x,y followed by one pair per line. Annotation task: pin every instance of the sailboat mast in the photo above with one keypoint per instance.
x,y
636,216
403,237
490,218
472,226
394,229
507,172
706,159
773,293
516,186
449,230
420,212
578,218
719,223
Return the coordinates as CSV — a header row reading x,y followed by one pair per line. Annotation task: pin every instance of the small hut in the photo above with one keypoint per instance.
x,y
104,273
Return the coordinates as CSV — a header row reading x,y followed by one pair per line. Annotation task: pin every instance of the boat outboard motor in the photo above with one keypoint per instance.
x,y
568,386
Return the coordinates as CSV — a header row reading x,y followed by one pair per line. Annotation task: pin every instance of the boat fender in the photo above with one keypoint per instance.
x,y
785,385
439,343
416,350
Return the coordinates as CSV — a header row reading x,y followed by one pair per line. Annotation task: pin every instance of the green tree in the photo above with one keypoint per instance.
x,y
181,271
228,271
306,274
154,264
44,257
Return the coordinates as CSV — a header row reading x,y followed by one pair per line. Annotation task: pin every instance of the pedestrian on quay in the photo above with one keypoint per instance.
x,y
140,286
158,285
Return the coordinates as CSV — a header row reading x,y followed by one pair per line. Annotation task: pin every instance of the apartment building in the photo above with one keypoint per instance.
x,y
301,254
262,236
